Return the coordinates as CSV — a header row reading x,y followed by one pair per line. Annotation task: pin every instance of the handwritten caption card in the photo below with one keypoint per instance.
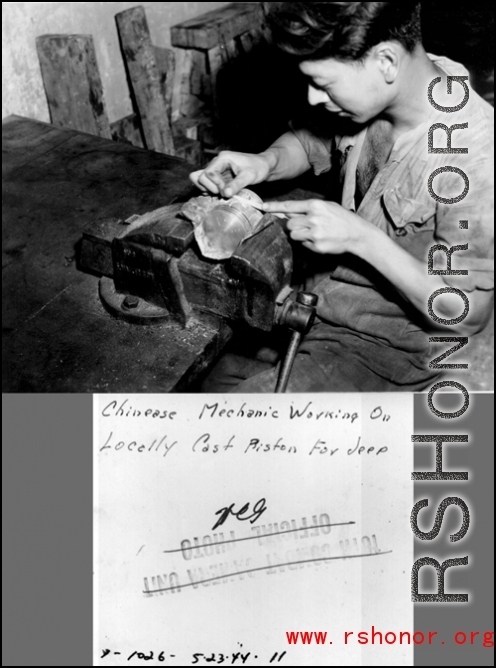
x,y
227,526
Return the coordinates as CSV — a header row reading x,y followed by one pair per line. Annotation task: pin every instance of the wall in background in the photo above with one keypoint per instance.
x,y
22,22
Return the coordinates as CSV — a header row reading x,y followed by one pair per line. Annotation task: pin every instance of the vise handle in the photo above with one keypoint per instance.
x,y
299,316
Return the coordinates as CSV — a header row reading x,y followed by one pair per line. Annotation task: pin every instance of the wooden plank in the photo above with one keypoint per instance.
x,y
184,102
188,127
72,83
247,42
139,55
250,39
199,128
181,85
166,63
199,79
231,47
218,57
189,150
128,130
223,24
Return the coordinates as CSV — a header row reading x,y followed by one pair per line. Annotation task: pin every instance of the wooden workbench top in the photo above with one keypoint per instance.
x,y
57,337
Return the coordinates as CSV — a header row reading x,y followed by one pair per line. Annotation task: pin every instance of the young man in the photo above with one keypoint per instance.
x,y
366,66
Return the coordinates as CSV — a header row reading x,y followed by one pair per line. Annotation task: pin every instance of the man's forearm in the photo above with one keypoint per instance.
x,y
410,278
286,158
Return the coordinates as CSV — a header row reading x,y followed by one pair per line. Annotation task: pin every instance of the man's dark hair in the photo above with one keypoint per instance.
x,y
341,30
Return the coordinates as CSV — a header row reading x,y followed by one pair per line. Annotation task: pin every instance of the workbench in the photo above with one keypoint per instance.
x,y
57,337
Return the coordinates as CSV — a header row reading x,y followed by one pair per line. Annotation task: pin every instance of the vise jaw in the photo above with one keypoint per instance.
x,y
152,270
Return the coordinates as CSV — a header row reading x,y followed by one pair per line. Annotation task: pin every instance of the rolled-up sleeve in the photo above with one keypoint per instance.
x,y
317,147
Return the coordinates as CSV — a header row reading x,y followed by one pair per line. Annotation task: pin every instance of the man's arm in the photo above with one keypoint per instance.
x,y
326,227
411,279
284,159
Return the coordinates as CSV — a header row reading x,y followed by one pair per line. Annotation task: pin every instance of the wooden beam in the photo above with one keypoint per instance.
x,y
250,39
72,83
218,57
223,24
199,80
141,63
127,130
186,133
181,89
166,63
189,150
189,81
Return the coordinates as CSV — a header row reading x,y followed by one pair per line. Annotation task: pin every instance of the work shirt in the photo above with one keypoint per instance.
x,y
361,317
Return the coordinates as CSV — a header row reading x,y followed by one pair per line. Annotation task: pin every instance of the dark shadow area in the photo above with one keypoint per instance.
x,y
259,92
464,32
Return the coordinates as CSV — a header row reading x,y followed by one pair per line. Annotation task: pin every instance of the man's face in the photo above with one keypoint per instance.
x,y
352,90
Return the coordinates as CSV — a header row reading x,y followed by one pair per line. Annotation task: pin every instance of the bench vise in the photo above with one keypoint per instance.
x,y
151,270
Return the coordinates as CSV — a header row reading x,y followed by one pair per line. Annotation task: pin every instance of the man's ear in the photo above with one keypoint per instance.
x,y
388,59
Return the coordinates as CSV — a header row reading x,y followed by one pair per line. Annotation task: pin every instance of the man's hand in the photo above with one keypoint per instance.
x,y
326,227
323,227
229,172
